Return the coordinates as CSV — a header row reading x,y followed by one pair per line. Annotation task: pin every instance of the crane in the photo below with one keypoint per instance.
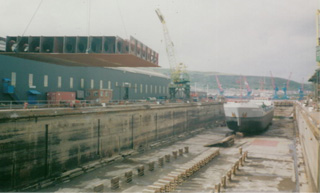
x,y
275,87
179,77
285,87
221,91
249,90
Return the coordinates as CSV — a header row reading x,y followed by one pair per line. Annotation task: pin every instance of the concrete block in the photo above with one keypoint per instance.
x,y
229,174
154,187
128,176
224,181
115,183
240,150
98,188
186,149
151,166
180,152
140,170
175,154
217,187
149,191
167,157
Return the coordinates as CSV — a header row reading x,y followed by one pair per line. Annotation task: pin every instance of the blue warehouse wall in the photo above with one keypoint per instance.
x,y
22,68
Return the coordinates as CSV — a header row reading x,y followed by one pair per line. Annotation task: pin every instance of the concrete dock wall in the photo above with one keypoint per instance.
x,y
42,144
308,126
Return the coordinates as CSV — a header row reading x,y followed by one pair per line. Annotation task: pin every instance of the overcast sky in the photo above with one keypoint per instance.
x,y
248,37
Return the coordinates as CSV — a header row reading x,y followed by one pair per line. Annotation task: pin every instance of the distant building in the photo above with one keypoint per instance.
x,y
24,79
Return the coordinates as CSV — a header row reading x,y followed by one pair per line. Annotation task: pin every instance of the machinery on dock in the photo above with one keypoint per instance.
x,y
275,87
285,88
180,80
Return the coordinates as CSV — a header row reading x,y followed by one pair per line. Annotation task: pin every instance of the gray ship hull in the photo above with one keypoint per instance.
x,y
250,124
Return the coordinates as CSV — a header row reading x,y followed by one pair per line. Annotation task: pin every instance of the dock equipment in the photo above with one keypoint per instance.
x,y
180,80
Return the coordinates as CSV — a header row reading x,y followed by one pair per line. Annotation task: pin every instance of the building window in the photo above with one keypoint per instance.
x,y
159,89
109,84
164,90
101,84
30,80
45,81
116,83
82,83
13,79
155,89
150,88
71,82
135,88
92,84
141,88
146,90
59,81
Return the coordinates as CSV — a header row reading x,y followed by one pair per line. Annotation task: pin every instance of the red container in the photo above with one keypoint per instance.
x,y
61,97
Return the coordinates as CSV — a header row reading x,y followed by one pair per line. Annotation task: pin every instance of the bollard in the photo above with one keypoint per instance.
x,y
186,149
160,161
167,157
151,166
180,152
140,170
115,183
240,150
175,154
217,187
128,176
246,153
229,174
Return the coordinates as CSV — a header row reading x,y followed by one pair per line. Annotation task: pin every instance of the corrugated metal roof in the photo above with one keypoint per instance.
x,y
83,59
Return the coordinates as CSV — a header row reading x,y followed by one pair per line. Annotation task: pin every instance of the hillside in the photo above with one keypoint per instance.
x,y
229,80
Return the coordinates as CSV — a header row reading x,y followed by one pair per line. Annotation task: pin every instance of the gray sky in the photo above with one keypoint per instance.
x,y
249,37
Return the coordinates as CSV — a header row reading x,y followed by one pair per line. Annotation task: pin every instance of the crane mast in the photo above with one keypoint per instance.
x,y
179,76
249,90
221,91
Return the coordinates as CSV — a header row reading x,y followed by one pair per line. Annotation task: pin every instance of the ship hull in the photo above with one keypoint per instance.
x,y
250,124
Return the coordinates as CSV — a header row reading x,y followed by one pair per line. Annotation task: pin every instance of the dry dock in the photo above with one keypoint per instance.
x,y
273,164
274,161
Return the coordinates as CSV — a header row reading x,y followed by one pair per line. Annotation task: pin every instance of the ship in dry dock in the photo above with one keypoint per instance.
x,y
249,116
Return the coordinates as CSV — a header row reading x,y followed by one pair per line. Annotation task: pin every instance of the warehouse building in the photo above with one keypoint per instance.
x,y
33,80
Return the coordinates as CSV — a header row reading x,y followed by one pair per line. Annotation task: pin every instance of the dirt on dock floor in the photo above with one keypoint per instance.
x,y
270,166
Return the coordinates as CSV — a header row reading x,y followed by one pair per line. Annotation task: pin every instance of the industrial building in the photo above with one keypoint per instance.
x,y
32,80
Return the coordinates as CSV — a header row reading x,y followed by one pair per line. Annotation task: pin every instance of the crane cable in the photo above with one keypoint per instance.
x,y
122,20
25,30
88,50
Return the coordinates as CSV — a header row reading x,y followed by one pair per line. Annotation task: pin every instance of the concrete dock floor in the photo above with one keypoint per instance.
x,y
270,166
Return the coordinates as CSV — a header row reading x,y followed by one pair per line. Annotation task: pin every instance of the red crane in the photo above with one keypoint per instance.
x,y
221,91
249,91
